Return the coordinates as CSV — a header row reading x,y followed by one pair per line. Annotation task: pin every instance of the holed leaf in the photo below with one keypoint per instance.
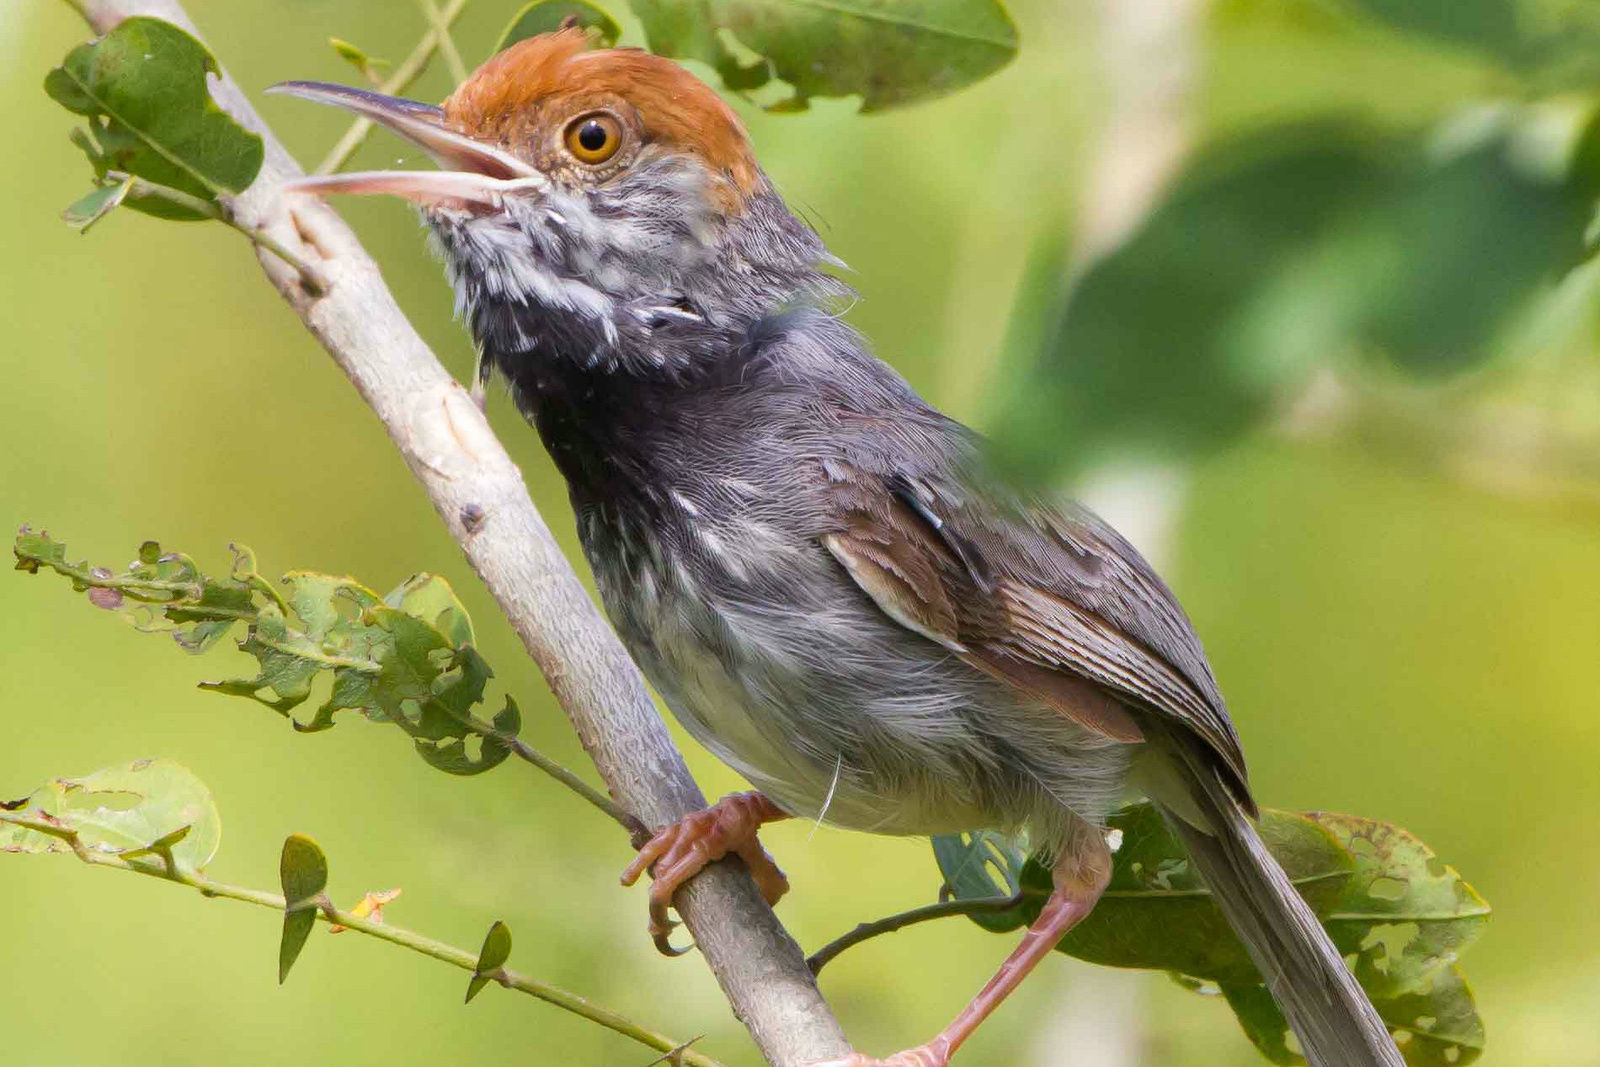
x,y
1158,914
1438,1027
406,658
1400,917
143,88
148,805
889,52
970,863
1404,916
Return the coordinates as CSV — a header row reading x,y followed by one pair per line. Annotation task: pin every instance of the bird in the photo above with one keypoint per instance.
x,y
826,579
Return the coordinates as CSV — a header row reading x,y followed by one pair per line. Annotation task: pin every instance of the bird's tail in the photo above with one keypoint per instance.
x,y
1332,1017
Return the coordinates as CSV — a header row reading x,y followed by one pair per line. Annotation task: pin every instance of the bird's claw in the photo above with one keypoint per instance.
x,y
680,851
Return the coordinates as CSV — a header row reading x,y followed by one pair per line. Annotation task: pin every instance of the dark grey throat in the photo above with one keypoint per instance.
x,y
603,310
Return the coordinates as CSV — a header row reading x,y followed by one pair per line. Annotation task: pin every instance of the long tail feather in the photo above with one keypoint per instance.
x,y
1332,1017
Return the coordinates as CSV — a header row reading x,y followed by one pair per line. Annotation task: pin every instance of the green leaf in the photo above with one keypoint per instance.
x,y
496,950
148,805
357,58
303,873
1283,252
888,52
546,16
970,863
407,657
1404,916
1436,1027
96,205
1490,26
1158,914
143,88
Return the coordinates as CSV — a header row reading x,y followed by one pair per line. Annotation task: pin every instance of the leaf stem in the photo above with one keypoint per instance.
x,y
529,754
406,73
310,277
888,925
163,867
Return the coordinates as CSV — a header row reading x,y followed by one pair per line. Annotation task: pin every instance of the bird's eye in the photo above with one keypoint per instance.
x,y
594,138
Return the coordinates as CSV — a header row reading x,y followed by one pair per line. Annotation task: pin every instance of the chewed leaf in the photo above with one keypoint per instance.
x,y
888,52
1404,915
140,807
407,657
545,16
1157,913
143,87
1436,1028
982,866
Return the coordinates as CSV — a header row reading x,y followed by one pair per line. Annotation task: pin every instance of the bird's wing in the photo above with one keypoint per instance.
x,y
1049,599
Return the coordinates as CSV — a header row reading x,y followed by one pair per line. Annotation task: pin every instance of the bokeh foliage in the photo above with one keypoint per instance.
x,y
1337,240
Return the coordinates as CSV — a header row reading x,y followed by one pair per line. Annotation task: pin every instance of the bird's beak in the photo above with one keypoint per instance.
x,y
474,172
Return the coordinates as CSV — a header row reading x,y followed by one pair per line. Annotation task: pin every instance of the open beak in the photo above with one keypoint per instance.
x,y
474,172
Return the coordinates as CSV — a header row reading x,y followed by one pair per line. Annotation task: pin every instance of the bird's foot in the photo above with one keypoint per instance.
x,y
678,852
935,1053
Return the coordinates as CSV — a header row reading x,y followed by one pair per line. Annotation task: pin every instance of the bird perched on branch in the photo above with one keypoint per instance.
x,y
810,563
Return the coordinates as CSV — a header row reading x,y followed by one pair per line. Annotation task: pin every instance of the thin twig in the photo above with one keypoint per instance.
x,y
161,865
447,44
140,188
529,754
171,594
888,925
406,73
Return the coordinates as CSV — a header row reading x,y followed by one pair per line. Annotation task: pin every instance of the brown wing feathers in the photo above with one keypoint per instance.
x,y
919,564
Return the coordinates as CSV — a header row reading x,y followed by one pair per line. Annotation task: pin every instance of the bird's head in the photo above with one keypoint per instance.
x,y
597,206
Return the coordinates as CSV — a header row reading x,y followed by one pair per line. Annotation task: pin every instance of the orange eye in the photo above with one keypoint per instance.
x,y
594,138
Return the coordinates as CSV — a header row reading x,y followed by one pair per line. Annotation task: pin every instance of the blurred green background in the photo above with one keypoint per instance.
x,y
1402,599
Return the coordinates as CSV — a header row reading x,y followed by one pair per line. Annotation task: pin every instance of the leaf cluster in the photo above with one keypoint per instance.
x,y
1337,241
1399,916
407,657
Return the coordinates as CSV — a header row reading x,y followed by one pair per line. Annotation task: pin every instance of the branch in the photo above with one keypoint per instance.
x,y
478,491
900,920
161,865
406,73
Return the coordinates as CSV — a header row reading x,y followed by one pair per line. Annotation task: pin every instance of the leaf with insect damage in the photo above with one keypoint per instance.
x,y
887,52
1404,916
1157,913
143,88
150,805
983,865
547,16
1436,1027
407,657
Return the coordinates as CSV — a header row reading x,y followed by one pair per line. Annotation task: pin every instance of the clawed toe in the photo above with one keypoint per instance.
x,y
679,852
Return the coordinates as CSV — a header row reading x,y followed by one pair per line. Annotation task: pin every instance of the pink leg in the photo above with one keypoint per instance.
x,y
678,852
1079,881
